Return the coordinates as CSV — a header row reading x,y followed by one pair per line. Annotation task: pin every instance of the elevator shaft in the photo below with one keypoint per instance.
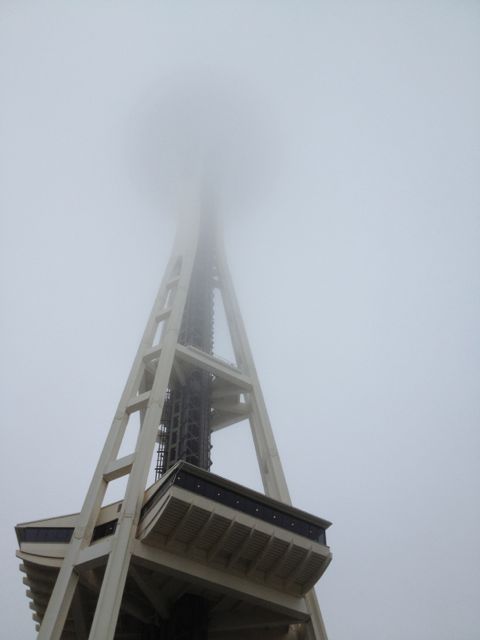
x,y
185,429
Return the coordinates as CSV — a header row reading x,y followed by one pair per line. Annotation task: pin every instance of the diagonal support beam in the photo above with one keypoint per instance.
x,y
155,598
216,548
203,530
258,559
298,569
278,565
238,552
179,526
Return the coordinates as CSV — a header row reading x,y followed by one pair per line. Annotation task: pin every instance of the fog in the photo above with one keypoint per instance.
x,y
342,141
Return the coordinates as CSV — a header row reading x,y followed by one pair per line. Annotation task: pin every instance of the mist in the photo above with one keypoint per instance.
x,y
205,133
342,142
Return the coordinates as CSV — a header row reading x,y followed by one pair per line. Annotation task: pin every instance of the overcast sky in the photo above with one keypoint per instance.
x,y
355,258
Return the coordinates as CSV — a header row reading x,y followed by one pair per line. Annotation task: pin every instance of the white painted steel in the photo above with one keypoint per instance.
x,y
161,359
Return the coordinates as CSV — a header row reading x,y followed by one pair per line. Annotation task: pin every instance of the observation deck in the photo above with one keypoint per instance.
x,y
251,557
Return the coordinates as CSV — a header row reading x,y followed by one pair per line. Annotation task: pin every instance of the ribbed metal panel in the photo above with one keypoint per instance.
x,y
232,542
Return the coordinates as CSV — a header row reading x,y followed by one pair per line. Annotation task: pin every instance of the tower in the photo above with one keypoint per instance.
x,y
194,556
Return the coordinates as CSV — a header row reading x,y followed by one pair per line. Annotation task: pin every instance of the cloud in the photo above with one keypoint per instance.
x,y
207,134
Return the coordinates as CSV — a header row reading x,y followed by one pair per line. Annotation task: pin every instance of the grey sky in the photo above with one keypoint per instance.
x,y
357,270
